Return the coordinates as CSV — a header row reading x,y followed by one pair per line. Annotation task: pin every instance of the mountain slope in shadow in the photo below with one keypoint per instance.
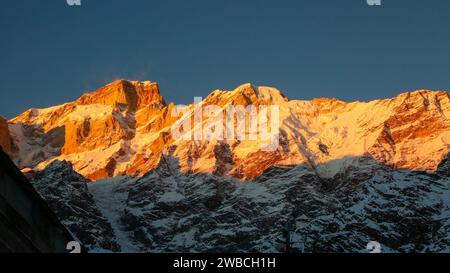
x,y
288,209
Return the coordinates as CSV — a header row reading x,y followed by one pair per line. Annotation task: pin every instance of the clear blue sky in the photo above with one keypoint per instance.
x,y
52,53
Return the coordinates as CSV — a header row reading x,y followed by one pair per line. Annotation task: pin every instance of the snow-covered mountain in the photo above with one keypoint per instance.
x,y
343,174
283,210
124,127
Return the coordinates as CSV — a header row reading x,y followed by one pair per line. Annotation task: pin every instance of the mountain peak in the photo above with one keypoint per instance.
x,y
132,94
272,95
267,94
245,88
247,94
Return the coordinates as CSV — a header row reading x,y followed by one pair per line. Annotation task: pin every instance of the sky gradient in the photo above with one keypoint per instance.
x,y
51,53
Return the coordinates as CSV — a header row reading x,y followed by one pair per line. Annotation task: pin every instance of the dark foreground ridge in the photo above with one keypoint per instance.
x,y
27,224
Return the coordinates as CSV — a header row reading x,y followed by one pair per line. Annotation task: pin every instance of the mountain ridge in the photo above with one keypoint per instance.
x,y
124,127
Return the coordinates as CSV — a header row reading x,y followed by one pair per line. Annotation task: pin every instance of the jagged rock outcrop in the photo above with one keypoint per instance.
x,y
132,95
419,119
102,122
67,194
91,133
5,138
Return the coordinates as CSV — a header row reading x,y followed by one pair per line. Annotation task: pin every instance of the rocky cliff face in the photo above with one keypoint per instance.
x,y
67,194
283,210
289,210
5,138
124,127
129,94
